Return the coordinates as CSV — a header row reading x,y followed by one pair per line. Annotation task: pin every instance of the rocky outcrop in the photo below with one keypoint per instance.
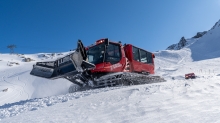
x,y
171,47
216,24
27,60
179,45
199,34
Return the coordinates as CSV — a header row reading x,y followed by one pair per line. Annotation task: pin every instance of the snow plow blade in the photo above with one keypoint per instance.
x,y
70,65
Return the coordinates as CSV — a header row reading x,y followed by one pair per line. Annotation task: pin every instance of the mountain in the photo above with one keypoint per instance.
x,y
178,46
184,42
199,34
204,45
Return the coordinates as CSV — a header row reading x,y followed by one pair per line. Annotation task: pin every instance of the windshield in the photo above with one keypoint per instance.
x,y
96,53
112,53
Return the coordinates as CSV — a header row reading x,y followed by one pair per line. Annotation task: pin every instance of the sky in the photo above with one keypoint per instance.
x,y
45,26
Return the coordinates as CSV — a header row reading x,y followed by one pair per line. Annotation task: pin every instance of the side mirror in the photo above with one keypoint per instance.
x,y
106,42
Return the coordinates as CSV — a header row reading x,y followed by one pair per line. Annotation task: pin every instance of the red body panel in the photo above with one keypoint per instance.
x,y
137,66
127,62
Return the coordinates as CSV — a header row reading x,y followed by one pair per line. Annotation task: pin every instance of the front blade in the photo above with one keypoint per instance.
x,y
70,66
42,71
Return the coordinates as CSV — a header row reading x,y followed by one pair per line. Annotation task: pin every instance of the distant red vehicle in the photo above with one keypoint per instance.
x,y
190,76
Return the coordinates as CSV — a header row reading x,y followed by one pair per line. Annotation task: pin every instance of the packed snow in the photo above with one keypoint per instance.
x,y
26,98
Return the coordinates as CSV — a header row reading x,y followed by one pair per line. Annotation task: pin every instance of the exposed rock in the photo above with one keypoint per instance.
x,y
5,90
27,60
200,34
181,43
214,26
178,46
171,47
12,63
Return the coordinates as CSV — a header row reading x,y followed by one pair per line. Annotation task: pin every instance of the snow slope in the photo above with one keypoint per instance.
x,y
208,45
15,76
177,100
172,101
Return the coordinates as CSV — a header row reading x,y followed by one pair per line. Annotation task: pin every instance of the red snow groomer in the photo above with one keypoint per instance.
x,y
104,63
190,76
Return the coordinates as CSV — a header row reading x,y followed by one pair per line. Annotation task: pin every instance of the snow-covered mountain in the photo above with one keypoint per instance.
x,y
182,43
204,45
207,46
26,98
185,42
199,34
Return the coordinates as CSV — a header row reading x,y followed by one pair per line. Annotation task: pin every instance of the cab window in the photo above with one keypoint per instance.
x,y
136,55
113,53
143,56
149,57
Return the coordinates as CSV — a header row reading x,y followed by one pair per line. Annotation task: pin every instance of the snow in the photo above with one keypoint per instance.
x,y
34,99
207,46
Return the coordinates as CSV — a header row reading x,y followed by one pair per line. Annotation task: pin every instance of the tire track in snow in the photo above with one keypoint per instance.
x,y
23,87
14,91
10,94
24,83
20,86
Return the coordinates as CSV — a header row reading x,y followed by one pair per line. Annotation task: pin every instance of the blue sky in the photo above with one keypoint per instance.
x,y
37,26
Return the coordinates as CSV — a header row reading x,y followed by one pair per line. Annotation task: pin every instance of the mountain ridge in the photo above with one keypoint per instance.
x,y
183,41
204,45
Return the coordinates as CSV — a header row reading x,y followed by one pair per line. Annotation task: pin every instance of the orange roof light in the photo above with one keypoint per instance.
x,y
99,41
